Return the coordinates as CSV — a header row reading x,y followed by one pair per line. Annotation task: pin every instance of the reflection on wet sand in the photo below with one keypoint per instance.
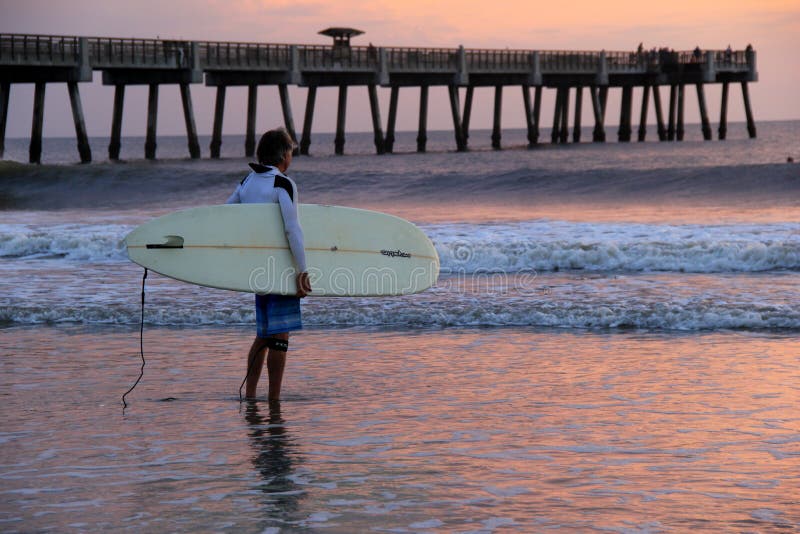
x,y
276,458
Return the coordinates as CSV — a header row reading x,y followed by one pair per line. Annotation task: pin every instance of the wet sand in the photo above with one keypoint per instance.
x,y
476,430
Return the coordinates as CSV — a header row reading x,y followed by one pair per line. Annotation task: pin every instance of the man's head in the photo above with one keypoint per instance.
x,y
275,148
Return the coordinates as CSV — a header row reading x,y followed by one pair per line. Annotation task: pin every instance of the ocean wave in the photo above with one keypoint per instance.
x,y
557,245
684,315
690,257
511,248
688,175
115,185
90,243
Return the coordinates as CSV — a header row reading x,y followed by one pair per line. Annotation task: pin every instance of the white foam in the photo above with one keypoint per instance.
x,y
68,241
558,245
515,247
107,293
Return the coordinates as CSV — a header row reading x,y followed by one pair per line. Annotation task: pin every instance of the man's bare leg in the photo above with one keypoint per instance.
x,y
255,363
276,362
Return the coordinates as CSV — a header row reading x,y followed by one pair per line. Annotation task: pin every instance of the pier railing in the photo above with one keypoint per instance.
x,y
55,50
324,58
570,61
235,56
109,53
488,60
105,52
422,59
735,59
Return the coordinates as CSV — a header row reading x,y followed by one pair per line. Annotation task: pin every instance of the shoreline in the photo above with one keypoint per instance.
x,y
73,328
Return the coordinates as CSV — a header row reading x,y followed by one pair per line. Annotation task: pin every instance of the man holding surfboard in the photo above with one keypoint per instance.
x,y
276,315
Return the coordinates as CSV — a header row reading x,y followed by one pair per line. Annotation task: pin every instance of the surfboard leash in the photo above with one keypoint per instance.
x,y
249,370
141,345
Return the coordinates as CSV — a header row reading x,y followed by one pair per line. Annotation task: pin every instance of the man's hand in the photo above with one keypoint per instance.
x,y
303,285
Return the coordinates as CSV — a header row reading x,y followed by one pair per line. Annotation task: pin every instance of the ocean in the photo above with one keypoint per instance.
x,y
612,345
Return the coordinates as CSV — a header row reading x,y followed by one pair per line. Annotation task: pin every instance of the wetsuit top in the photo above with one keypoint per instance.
x,y
268,184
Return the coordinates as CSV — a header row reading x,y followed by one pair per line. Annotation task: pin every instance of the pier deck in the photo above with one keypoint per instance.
x,y
42,59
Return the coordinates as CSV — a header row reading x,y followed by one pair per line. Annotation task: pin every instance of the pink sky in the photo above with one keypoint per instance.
x,y
772,26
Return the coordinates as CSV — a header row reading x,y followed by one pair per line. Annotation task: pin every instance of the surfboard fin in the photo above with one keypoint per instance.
x,y
172,241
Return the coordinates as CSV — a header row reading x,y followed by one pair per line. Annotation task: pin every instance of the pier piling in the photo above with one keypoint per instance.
x,y
250,128
701,103
599,133
603,107
188,117
681,97
625,112
526,102
673,102
389,143
498,111
219,113
555,133
340,120
564,135
375,111
643,115
35,149
116,123
455,111
286,109
308,118
537,113
467,114
576,127
662,131
723,113
751,124
5,93
84,150
422,135
152,122
532,115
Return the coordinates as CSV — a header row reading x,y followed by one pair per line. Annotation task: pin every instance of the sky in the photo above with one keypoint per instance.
x,y
771,26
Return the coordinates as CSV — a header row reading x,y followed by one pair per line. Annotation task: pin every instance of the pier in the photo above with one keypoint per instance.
x,y
43,59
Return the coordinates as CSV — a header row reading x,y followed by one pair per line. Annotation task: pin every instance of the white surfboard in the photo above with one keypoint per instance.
x,y
243,247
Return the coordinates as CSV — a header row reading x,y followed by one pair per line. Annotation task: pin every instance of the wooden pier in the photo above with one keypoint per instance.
x,y
43,59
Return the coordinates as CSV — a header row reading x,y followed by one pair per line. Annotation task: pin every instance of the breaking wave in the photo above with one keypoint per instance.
x,y
518,247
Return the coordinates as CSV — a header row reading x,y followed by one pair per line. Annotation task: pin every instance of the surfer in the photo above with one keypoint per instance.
x,y
276,315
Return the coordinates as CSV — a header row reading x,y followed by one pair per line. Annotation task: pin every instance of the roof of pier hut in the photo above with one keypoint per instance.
x,y
341,36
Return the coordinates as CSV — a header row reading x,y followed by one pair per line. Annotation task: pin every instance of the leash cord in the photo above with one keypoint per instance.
x,y
141,346
249,370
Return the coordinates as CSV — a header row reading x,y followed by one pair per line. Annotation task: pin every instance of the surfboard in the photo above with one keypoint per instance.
x,y
243,247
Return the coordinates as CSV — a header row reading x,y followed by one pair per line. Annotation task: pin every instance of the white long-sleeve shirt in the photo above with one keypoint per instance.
x,y
269,185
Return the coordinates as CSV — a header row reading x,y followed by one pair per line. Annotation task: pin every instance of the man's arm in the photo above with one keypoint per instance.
x,y
291,225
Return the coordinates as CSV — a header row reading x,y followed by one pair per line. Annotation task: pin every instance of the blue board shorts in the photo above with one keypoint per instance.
x,y
276,314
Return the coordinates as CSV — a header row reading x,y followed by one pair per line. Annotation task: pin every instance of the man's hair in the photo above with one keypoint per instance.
x,y
273,146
